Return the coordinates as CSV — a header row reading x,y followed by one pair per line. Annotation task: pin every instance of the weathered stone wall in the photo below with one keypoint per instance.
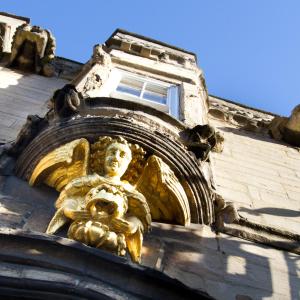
x,y
260,175
225,267
21,95
254,172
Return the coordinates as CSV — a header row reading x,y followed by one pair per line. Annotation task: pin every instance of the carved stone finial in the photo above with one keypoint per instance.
x,y
287,129
32,50
100,56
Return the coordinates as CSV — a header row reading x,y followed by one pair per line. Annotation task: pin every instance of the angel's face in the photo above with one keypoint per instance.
x,y
117,159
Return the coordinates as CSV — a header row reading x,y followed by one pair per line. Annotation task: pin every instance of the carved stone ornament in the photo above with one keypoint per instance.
x,y
94,74
226,212
109,192
2,36
32,50
287,129
237,115
202,139
66,101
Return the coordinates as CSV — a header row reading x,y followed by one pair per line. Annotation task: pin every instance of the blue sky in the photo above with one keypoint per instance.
x,y
249,49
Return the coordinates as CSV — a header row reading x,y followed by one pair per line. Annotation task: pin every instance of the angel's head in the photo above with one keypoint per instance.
x,y
117,158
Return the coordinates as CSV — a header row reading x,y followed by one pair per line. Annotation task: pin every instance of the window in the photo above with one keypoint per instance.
x,y
155,93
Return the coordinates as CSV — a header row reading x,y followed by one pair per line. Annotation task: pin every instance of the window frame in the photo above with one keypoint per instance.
x,y
172,100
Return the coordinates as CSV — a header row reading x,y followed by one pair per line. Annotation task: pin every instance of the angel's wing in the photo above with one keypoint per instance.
x,y
138,207
58,220
164,193
62,165
133,229
135,244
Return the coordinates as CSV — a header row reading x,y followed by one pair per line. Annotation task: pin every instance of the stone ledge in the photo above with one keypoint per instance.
x,y
238,115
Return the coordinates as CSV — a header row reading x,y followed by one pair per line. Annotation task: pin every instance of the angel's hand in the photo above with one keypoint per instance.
x,y
136,195
121,225
76,214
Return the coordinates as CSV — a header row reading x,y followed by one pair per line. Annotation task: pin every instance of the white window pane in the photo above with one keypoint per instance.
x,y
157,89
131,81
155,97
159,94
156,93
128,90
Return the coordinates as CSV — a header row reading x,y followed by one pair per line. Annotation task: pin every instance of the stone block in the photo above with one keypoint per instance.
x,y
244,176
225,182
246,165
26,207
195,235
294,195
293,152
240,198
153,252
225,290
271,198
283,223
181,260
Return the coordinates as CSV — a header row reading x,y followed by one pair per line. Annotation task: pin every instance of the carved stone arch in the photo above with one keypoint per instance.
x,y
151,136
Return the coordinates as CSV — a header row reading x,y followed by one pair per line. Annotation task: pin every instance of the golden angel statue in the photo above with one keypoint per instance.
x,y
109,192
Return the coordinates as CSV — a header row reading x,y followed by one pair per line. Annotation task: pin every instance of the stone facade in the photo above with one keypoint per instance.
x,y
242,185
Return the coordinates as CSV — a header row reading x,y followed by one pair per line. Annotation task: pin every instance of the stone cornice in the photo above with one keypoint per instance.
x,y
142,46
238,115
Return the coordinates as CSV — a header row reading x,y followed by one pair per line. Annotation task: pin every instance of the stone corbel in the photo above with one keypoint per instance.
x,y
66,101
287,129
225,212
202,139
229,221
33,50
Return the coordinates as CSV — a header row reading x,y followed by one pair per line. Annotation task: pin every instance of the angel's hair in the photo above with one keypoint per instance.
x,y
98,151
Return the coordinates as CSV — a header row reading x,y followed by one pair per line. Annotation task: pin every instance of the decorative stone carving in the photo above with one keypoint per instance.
x,y
93,82
157,132
201,139
100,56
287,129
95,72
219,145
66,101
225,211
33,50
2,36
202,87
243,117
102,192
34,124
